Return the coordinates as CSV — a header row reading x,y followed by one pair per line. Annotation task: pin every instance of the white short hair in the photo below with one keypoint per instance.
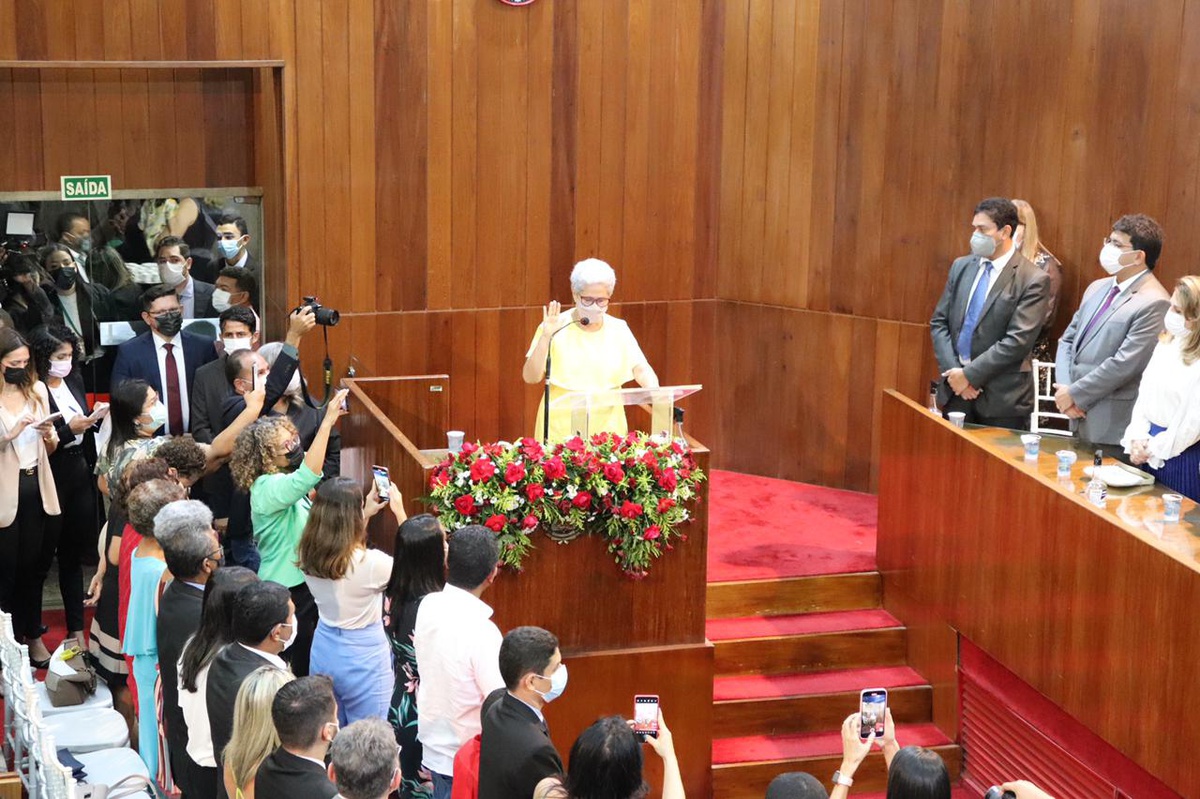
x,y
590,271
270,351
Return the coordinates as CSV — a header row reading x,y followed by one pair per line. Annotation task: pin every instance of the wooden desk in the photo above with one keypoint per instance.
x,y
1087,605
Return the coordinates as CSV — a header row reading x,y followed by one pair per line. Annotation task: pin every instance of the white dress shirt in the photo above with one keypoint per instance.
x,y
68,406
997,267
187,298
1169,396
355,601
70,309
79,258
195,713
177,351
457,646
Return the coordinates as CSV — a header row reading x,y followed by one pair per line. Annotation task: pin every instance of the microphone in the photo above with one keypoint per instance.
x,y
582,321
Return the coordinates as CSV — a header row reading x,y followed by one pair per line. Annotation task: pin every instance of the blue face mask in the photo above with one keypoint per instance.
x,y
229,247
558,683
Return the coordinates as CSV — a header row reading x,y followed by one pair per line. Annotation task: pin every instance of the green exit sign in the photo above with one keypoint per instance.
x,y
86,187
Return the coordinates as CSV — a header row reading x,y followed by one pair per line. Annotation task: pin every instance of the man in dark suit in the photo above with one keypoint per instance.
x,y
986,323
190,547
233,247
239,331
175,271
165,356
515,752
264,622
305,716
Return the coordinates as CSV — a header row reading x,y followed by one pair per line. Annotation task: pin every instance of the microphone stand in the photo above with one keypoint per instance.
x,y
583,322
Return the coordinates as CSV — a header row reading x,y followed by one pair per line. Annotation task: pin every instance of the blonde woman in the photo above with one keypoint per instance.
x,y
270,464
254,735
1029,243
1163,436
29,509
347,580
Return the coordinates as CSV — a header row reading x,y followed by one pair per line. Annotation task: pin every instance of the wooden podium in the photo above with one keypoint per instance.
x,y
619,637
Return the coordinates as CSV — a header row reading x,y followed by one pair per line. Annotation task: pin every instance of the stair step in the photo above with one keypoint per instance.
x,y
799,624
780,686
808,653
743,767
808,714
814,594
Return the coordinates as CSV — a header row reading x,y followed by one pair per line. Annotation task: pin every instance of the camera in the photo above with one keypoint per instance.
x,y
325,316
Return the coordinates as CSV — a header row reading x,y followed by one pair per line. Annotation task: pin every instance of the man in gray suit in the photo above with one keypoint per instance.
x,y
1103,351
986,323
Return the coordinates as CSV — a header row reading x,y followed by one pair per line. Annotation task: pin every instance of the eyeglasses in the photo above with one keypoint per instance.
x,y
1117,244
161,314
598,302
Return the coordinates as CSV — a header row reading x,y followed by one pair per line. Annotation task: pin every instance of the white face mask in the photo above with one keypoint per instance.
x,y
220,299
1110,259
170,274
235,344
982,245
558,683
1175,324
60,368
293,386
291,637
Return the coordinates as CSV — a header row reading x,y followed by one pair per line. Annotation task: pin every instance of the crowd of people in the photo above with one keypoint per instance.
x,y
1125,368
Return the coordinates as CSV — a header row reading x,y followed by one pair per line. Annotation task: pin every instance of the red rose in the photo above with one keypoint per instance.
x,y
469,447
575,444
665,504
492,450
482,469
668,479
599,439
593,466
652,532
630,510
514,473
650,459
613,472
583,500
465,505
529,522
531,449
534,492
440,478
554,468
495,523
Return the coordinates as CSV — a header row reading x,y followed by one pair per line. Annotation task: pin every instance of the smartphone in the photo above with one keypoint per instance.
x,y
873,706
383,482
645,716
51,418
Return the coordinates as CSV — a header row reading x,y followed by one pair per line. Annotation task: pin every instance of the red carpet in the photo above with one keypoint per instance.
x,y
828,531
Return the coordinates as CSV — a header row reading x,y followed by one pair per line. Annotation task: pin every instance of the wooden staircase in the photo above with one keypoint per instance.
x,y
791,656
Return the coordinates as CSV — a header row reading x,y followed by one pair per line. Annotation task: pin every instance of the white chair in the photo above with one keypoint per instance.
x,y
54,780
102,699
88,730
1044,407
110,766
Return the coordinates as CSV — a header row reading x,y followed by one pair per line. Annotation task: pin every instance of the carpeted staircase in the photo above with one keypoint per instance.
x,y
793,651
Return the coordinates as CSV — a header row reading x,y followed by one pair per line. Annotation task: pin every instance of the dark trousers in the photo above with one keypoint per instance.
x,y
307,616
193,780
25,545
79,527
957,403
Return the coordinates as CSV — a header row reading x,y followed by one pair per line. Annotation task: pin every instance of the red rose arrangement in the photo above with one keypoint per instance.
x,y
635,490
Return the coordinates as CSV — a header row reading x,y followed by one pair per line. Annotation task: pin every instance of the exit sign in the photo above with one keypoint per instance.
x,y
86,187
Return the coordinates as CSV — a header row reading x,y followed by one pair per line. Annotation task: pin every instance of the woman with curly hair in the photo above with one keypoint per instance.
x,y
347,579
269,464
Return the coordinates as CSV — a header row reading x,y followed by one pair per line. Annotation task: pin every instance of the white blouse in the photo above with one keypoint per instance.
x,y
1169,396
195,714
26,442
356,600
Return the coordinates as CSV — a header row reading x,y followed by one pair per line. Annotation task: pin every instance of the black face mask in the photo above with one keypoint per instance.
x,y
169,324
15,376
295,457
64,279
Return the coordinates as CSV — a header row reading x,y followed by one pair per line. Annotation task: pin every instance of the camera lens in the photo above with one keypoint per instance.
x,y
327,317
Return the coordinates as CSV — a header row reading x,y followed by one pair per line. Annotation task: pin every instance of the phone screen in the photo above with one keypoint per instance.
x,y
383,482
645,715
874,710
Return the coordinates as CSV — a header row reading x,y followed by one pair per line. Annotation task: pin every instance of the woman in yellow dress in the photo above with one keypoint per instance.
x,y
592,351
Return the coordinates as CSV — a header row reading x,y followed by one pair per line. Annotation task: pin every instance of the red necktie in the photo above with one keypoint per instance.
x,y
174,402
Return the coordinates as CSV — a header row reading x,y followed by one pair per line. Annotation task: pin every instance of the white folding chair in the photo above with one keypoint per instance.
x,y
54,780
1043,399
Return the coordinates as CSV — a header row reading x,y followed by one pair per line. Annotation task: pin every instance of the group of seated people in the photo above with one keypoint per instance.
x,y
1125,367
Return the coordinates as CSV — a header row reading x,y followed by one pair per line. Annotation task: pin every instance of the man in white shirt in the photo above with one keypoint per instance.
x,y
457,646
1105,349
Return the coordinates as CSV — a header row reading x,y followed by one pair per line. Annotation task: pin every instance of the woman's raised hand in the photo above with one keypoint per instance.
x,y
550,316
333,411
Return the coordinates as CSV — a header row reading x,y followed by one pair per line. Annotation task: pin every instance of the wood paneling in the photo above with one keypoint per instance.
x,y
815,652
817,594
789,715
1080,603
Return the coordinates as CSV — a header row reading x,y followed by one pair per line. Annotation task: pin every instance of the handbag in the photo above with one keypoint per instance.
x,y
70,679
133,785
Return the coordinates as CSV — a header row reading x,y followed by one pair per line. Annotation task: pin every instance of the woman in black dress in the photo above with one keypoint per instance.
x,y
419,568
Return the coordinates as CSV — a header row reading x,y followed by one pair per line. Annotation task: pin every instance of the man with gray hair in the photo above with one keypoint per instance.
x,y
364,760
184,529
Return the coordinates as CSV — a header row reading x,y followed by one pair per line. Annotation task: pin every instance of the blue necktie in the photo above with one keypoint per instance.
x,y
974,311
